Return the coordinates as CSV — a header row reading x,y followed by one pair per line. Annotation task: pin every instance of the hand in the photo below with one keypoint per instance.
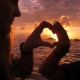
x,y
45,24
34,40
53,45
55,27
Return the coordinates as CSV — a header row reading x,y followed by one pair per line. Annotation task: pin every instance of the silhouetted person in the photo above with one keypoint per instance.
x,y
50,66
8,11
26,48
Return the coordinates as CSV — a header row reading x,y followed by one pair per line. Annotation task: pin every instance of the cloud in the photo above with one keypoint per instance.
x,y
64,20
35,24
69,7
52,7
38,10
31,6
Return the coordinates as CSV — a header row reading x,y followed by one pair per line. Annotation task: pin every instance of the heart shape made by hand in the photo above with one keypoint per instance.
x,y
34,40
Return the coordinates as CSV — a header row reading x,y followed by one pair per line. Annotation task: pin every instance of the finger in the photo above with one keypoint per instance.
x,y
46,44
37,31
40,28
53,46
46,24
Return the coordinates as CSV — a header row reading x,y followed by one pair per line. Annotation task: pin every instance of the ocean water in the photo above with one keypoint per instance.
x,y
42,52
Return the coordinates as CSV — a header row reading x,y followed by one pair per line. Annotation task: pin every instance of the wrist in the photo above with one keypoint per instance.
x,y
27,51
60,53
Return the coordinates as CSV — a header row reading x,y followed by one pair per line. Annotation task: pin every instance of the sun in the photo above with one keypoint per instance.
x,y
50,34
54,36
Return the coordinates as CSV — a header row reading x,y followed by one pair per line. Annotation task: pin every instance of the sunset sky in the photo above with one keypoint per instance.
x,y
65,11
39,10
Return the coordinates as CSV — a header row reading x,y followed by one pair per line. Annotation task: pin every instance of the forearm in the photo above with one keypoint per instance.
x,y
50,67
26,50
56,44
59,44
26,61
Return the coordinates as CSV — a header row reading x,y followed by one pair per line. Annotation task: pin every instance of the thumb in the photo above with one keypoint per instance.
x,y
46,44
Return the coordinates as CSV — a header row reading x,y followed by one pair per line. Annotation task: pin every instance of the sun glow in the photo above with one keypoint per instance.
x,y
54,36
49,33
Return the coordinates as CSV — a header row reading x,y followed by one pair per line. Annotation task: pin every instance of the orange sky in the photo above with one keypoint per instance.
x,y
73,32
63,11
39,10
